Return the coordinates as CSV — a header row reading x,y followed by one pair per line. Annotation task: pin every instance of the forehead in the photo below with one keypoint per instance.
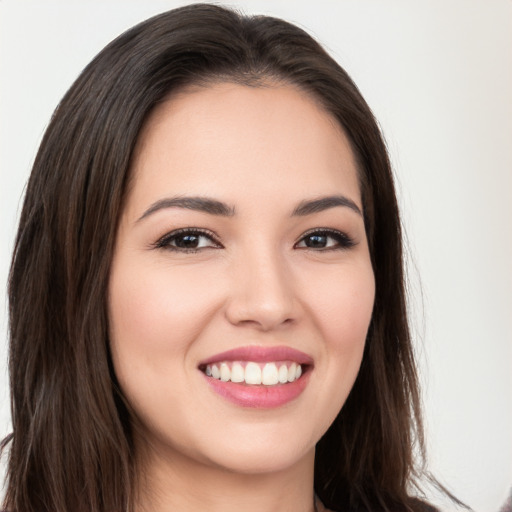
x,y
236,141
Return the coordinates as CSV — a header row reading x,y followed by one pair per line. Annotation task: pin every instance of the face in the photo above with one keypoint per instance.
x,y
241,286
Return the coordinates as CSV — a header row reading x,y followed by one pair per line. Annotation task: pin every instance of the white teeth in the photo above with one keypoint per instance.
x,y
291,372
283,374
225,372
237,373
268,374
252,374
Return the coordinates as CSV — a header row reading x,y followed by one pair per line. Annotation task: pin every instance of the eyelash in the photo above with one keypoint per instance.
x,y
343,241
165,241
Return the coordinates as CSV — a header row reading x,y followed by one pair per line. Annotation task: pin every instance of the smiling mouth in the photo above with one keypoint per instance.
x,y
255,373
258,376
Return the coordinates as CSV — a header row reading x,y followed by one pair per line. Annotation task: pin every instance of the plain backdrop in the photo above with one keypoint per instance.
x,y
438,75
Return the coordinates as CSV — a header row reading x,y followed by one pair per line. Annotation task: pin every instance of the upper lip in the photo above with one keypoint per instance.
x,y
260,354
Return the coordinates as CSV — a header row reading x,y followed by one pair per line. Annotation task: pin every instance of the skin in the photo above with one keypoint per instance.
x,y
262,151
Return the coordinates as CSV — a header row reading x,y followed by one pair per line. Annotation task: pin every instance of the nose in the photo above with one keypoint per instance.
x,y
262,293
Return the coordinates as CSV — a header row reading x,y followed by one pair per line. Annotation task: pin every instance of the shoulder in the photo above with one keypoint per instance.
x,y
416,504
419,506
321,508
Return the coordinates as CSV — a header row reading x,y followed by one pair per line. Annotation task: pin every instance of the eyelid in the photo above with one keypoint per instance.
x,y
344,240
163,241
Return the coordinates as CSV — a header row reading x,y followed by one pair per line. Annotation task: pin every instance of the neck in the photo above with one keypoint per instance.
x,y
186,485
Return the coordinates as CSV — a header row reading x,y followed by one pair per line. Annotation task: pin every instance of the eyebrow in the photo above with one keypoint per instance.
x,y
215,207
324,203
200,204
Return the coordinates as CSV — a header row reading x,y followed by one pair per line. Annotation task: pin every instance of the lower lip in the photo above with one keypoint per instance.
x,y
260,397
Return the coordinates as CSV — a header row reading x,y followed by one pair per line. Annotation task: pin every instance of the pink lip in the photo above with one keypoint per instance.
x,y
260,355
262,397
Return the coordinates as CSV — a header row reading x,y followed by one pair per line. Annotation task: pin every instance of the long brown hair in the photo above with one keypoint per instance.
x,y
71,447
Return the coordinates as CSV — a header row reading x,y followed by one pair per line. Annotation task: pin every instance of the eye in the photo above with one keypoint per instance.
x,y
325,239
188,240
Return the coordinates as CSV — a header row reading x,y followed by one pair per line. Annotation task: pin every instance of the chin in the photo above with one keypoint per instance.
x,y
257,460
261,447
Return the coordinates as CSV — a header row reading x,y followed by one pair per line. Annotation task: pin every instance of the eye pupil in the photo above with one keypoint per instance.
x,y
316,241
187,241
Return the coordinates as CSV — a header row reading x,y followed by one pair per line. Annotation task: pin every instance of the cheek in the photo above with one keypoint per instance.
x,y
343,307
156,313
156,305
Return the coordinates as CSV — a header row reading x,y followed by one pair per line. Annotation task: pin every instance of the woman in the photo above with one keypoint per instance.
x,y
207,304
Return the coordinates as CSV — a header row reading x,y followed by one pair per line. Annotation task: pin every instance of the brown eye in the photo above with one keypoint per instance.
x,y
325,239
316,241
187,240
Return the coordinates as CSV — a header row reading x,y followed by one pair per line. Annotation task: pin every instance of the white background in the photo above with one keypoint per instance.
x,y
438,75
